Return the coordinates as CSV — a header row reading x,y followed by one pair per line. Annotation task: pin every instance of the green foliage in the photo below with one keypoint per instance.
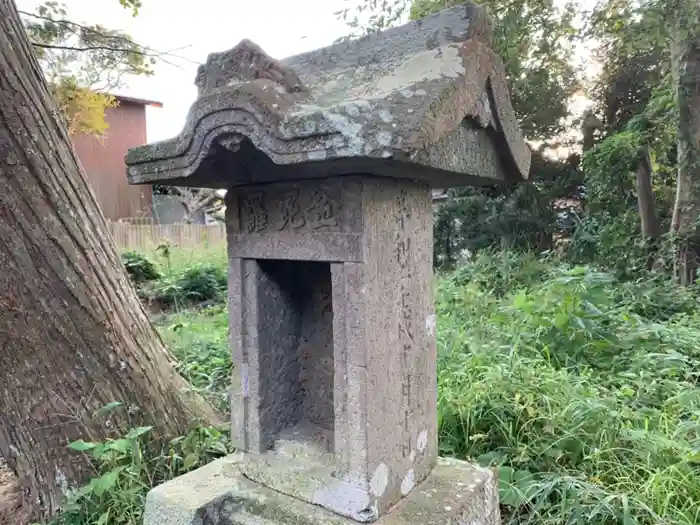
x,y
582,389
501,272
185,278
139,267
203,282
474,219
609,232
522,216
199,283
128,467
632,47
609,171
611,241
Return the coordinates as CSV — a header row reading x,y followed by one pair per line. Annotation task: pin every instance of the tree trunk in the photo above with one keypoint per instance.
x,y
650,223
651,226
685,53
73,335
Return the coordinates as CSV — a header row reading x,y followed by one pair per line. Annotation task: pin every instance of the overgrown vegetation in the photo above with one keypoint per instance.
x,y
581,387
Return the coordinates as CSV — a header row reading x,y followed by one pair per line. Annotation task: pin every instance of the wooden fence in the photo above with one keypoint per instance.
x,y
147,237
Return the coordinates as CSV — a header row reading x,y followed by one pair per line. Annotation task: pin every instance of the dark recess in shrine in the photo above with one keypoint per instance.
x,y
296,352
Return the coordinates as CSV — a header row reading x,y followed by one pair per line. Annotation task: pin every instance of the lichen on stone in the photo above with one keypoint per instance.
x,y
394,95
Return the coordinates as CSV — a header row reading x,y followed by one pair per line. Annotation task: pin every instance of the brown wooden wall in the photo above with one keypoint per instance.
x,y
103,161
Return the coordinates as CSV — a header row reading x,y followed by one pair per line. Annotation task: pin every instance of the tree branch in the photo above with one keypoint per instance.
x,y
92,48
74,26
130,46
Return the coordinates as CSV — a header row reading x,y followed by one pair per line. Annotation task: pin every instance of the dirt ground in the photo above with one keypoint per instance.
x,y
10,499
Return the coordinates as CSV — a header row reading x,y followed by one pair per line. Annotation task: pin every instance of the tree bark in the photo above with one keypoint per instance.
x,y
73,335
685,53
651,226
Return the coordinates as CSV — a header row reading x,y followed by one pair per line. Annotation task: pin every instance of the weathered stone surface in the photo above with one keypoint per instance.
x,y
424,101
220,494
336,348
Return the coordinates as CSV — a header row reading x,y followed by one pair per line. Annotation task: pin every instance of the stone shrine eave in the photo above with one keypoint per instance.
x,y
427,100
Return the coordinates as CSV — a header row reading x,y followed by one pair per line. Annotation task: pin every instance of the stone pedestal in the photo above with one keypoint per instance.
x,y
455,492
328,159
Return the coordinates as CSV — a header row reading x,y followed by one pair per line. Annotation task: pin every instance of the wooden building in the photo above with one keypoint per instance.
x,y
103,160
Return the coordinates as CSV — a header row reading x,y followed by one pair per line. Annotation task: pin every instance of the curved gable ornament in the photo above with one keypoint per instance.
x,y
425,101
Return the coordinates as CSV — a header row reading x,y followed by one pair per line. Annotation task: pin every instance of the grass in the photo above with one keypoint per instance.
x,y
582,390
591,411
198,339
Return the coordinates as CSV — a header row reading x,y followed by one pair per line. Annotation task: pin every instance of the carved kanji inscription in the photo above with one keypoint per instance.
x,y
303,207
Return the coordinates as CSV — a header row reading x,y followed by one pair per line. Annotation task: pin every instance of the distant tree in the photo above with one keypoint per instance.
x,y
83,63
648,96
684,18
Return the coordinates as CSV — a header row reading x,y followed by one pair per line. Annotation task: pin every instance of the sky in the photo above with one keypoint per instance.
x,y
191,29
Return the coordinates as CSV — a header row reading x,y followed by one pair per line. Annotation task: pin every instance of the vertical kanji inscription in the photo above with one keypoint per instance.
x,y
290,211
406,316
256,216
322,210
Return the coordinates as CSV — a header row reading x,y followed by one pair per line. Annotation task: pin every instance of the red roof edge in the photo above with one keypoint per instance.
x,y
140,101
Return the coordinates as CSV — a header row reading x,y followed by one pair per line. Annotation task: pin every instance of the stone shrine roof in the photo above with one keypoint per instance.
x,y
426,101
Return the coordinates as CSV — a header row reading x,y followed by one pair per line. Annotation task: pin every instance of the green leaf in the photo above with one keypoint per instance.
x,y
190,460
137,432
107,481
506,474
86,490
509,495
120,445
508,491
81,446
106,409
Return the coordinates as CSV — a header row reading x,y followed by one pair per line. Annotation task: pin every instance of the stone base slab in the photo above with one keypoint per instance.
x,y
455,493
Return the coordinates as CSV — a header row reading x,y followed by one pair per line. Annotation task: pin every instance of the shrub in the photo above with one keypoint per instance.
x,y
139,267
204,282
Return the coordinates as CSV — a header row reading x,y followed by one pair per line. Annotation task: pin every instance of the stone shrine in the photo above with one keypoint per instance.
x,y
329,159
